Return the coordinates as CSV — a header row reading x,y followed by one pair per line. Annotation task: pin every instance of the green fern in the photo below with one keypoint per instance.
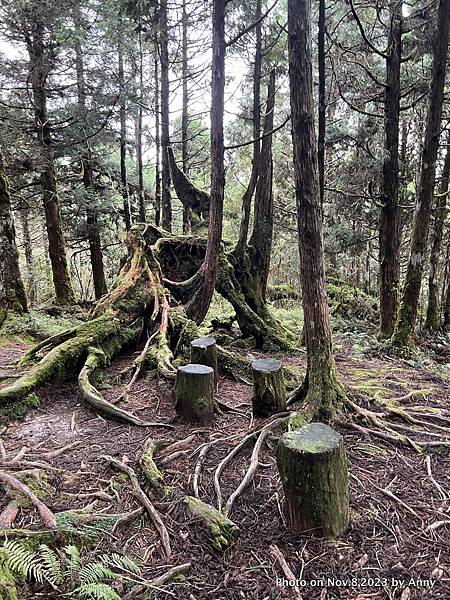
x,y
45,564
74,562
118,561
51,564
93,572
23,561
99,591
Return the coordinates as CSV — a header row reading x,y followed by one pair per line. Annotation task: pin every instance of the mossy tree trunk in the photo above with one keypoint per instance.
x,y
40,51
313,468
12,290
204,352
433,320
194,391
322,388
269,389
404,328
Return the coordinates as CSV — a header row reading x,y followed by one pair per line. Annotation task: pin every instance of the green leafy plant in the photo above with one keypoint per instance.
x,y
66,571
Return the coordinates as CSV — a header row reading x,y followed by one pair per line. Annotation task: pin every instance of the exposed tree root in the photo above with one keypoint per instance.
x,y
9,514
48,518
145,501
146,461
95,360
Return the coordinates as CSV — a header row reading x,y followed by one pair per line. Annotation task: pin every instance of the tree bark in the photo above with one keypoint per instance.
x,y
157,141
41,59
269,390
139,162
321,385
322,100
210,266
261,239
313,468
433,320
184,112
194,390
93,231
166,202
204,352
404,328
123,138
29,258
12,290
248,194
389,232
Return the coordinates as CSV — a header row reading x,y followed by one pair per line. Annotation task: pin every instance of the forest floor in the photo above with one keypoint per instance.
x,y
392,549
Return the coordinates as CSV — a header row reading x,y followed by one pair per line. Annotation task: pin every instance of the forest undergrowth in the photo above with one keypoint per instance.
x,y
74,460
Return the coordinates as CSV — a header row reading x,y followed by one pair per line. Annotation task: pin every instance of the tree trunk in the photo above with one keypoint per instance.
x,y
184,112
322,100
446,320
29,258
166,202
204,352
211,264
313,468
389,233
261,240
433,320
123,139
139,162
248,194
93,232
41,59
157,142
322,388
269,390
404,328
194,391
12,290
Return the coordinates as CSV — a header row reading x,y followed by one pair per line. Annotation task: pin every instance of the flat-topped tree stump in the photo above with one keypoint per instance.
x,y
313,468
204,352
269,390
194,392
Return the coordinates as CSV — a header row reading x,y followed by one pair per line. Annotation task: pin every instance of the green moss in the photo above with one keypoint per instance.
x,y
7,581
313,438
224,532
17,410
39,324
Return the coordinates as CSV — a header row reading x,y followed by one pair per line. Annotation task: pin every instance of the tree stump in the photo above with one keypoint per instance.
x,y
204,352
269,390
313,468
194,391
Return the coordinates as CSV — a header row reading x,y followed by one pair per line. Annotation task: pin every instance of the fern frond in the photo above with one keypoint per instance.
x,y
120,562
23,561
51,564
93,572
74,562
99,591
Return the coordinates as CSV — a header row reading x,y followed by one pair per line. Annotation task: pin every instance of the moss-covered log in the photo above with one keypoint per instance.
x,y
204,352
313,468
223,531
269,390
146,461
194,391
7,580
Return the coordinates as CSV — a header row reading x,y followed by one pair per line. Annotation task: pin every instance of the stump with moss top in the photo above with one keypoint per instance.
x,y
204,352
269,390
194,392
313,468
223,531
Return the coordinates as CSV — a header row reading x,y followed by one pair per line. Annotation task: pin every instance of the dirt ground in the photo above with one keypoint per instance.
x,y
393,548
